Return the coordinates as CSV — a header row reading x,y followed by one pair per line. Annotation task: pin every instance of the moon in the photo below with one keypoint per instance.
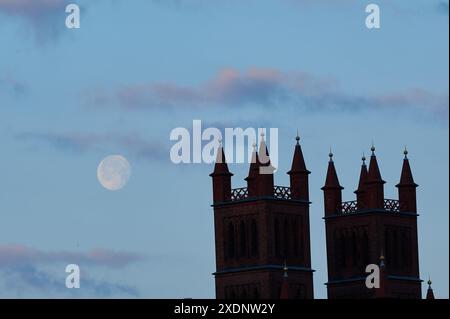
x,y
113,172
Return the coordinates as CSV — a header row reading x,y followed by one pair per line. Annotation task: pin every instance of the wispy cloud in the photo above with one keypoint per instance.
x,y
31,8
324,2
443,7
22,255
9,84
228,86
44,18
24,271
268,88
132,144
28,281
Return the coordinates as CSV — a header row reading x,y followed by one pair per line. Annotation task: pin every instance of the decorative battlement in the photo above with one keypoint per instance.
x,y
282,192
260,181
239,194
279,192
353,207
370,191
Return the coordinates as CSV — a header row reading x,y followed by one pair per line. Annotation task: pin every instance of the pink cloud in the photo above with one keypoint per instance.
x,y
158,94
31,8
265,87
43,18
13,255
228,86
131,144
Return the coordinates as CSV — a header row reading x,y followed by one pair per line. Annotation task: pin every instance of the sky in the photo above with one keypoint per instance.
x,y
138,69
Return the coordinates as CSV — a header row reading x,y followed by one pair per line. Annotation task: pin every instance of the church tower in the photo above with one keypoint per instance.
x,y
261,230
372,230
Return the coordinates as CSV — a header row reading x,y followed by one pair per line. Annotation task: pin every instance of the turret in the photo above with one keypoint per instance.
x,y
332,190
430,293
264,177
221,178
375,184
361,191
253,174
299,174
407,188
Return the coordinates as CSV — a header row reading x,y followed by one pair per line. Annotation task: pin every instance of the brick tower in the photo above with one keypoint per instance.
x,y
372,230
262,229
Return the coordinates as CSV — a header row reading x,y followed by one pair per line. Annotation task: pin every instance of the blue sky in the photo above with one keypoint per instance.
x,y
138,69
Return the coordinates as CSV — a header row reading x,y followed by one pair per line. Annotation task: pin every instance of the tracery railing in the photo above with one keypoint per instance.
x,y
279,192
239,193
351,207
282,192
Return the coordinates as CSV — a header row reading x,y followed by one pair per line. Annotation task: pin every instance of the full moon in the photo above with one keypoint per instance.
x,y
113,172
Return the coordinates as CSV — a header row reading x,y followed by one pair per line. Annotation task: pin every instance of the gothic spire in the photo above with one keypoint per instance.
x,y
332,180
406,178
430,293
221,178
263,152
374,174
298,162
362,177
254,165
298,174
374,185
407,187
221,166
265,181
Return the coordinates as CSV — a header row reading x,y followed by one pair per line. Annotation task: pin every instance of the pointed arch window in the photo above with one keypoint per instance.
x,y
286,248
343,246
254,238
230,241
395,250
349,248
277,237
300,292
244,294
359,250
338,255
295,238
407,248
404,249
301,239
365,248
388,247
354,244
242,240
256,293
